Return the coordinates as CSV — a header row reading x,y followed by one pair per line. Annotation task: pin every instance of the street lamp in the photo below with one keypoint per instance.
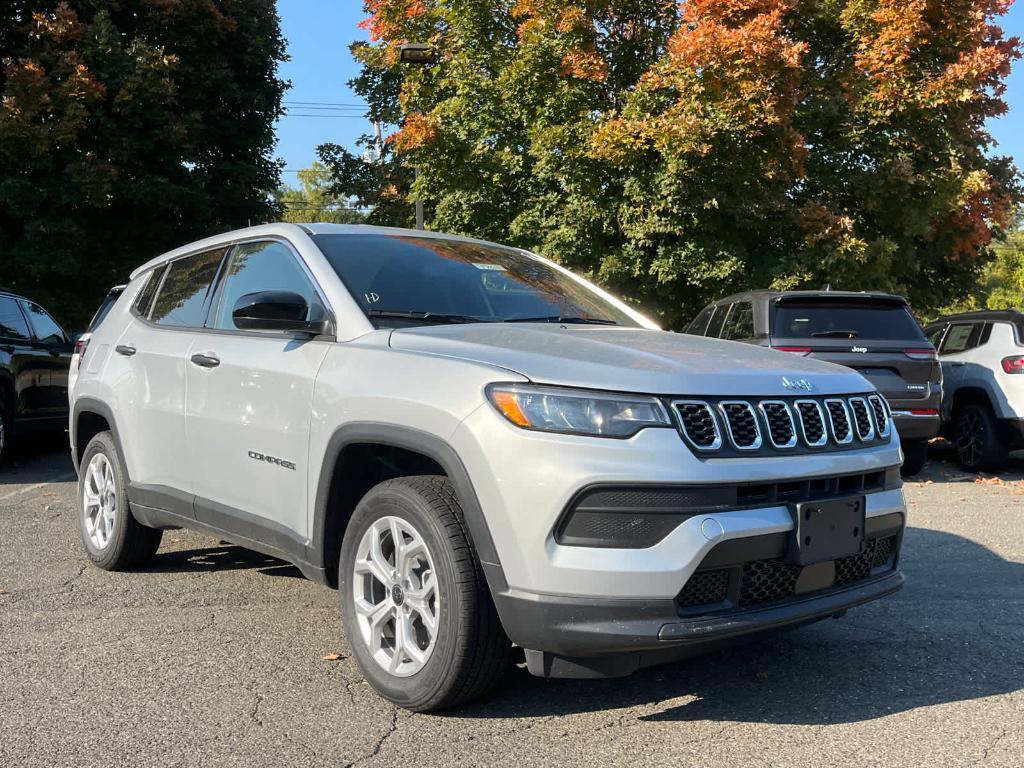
x,y
421,55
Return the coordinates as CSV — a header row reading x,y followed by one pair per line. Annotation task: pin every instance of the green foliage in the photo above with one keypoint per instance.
x,y
314,201
678,152
1000,284
128,128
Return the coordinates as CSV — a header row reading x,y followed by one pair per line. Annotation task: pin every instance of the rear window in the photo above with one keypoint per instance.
x,y
843,320
108,301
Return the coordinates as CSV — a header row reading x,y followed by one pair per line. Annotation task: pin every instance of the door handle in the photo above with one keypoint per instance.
x,y
205,361
125,349
956,365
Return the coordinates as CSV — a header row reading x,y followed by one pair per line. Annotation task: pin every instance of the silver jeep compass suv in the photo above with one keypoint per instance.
x,y
479,449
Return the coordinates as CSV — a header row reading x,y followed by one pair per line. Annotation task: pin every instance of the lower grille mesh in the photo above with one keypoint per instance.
x,y
763,582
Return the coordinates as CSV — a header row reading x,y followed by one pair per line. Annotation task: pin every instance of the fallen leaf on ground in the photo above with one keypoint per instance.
x,y
333,657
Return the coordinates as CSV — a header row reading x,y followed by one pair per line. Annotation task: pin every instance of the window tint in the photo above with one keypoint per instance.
x,y
104,309
46,327
960,338
838,319
986,334
740,323
700,322
459,281
934,333
717,320
262,267
183,296
144,301
12,322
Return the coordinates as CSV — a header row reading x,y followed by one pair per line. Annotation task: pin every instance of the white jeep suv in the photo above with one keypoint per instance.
x,y
479,449
982,357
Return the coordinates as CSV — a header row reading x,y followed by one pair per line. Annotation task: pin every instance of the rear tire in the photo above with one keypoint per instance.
x,y
915,456
113,539
437,580
976,439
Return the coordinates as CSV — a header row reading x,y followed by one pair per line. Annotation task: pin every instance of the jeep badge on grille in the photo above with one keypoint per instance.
x,y
797,385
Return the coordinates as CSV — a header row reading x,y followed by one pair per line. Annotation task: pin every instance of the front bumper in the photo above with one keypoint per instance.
x,y
612,639
756,592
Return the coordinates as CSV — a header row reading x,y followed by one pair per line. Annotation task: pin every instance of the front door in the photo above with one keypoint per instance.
x,y
250,397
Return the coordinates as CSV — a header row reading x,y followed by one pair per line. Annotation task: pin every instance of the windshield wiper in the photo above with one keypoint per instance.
x,y
836,334
561,319
427,317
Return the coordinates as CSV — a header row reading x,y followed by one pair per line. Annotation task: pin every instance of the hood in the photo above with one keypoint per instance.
x,y
630,359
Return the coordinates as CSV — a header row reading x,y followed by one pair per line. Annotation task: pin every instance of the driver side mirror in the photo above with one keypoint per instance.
x,y
280,311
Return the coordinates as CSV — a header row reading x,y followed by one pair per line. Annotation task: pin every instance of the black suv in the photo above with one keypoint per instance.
x,y
34,357
873,333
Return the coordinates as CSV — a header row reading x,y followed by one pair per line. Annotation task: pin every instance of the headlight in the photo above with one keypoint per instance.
x,y
575,411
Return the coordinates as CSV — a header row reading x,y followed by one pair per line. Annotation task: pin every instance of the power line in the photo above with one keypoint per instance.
x,y
327,103
304,114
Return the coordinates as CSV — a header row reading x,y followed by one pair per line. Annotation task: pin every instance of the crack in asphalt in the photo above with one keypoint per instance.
x,y
380,742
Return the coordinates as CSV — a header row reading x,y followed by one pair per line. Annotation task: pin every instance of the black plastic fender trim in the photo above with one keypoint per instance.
x,y
429,445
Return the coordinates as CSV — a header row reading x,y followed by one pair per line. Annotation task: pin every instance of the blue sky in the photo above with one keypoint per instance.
x,y
319,32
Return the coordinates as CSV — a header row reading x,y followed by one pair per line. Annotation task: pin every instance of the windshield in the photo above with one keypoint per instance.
x,y
409,280
845,320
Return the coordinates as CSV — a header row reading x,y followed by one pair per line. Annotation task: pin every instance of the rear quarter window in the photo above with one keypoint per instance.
x,y
845,320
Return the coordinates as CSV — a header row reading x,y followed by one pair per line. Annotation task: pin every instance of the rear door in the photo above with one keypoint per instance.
x,y
52,352
957,352
878,338
147,372
19,355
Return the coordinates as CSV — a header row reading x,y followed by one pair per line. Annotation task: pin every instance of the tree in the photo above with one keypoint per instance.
x,y
314,200
128,128
1001,282
679,151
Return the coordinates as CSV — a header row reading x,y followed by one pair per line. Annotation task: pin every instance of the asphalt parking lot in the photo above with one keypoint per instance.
x,y
215,656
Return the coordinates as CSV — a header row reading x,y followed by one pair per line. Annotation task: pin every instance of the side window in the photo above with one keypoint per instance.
x,y
960,338
258,267
144,301
46,328
934,334
12,322
740,324
717,320
182,300
700,322
986,334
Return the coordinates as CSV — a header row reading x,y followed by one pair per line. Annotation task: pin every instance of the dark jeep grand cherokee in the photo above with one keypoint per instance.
x,y
873,333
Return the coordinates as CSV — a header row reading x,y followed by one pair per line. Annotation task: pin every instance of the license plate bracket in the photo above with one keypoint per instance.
x,y
826,530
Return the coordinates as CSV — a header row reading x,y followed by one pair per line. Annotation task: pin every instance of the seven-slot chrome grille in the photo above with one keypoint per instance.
x,y
713,426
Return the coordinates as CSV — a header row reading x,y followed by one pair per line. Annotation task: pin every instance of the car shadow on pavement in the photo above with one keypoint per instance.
x,y
224,557
942,468
952,634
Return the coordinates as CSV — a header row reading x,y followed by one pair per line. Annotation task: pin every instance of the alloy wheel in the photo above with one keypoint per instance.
x,y
395,590
970,439
99,501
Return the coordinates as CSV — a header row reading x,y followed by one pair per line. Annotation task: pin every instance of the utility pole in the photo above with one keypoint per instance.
x,y
421,55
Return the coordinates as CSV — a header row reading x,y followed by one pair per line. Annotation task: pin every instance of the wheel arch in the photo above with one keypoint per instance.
x,y
972,395
89,417
333,508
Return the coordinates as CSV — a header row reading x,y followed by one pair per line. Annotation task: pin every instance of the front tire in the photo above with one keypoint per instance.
x,y
976,440
915,456
113,539
414,601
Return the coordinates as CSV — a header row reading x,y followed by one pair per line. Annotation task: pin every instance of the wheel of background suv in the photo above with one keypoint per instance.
x,y
6,428
915,454
414,601
976,439
114,540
